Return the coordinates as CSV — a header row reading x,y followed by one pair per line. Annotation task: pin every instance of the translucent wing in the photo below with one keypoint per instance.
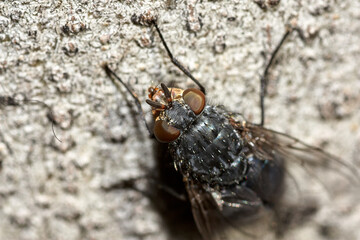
x,y
205,211
241,212
225,214
313,163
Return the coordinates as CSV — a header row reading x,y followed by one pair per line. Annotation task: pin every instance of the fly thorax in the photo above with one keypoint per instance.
x,y
179,115
210,149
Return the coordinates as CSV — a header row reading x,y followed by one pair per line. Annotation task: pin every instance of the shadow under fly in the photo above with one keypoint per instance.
x,y
234,171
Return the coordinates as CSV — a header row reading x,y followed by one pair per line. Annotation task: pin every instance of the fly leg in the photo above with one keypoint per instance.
x,y
135,184
264,77
12,101
172,192
175,61
112,75
130,183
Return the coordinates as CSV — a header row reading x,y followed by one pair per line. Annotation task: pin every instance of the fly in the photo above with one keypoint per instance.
x,y
232,169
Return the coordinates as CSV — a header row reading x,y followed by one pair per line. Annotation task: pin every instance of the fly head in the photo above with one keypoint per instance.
x,y
174,110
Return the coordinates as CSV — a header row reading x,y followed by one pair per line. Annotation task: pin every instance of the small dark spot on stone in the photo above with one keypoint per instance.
x,y
260,3
273,3
65,29
328,231
66,75
70,50
144,19
265,4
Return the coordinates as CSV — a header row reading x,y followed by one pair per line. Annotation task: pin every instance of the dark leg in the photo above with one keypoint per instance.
x,y
50,115
113,77
172,192
264,78
131,183
11,101
176,62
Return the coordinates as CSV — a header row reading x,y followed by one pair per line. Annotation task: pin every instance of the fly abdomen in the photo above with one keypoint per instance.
x,y
265,178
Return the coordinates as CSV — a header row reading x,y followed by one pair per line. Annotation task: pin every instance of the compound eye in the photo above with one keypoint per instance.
x,y
195,99
164,132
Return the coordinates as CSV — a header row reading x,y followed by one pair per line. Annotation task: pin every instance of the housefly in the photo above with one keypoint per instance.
x,y
232,169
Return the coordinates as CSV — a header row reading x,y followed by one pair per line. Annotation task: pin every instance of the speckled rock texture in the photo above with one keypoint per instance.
x,y
52,51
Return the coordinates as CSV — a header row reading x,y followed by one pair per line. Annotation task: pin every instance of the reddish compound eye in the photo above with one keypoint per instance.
x,y
164,132
195,99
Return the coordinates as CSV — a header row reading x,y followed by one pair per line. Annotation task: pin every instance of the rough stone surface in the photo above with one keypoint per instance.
x,y
52,51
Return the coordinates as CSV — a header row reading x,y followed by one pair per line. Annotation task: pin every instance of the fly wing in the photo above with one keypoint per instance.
x,y
314,163
205,211
217,212
237,212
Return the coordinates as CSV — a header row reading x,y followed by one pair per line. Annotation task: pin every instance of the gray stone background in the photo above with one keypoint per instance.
x,y
52,51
